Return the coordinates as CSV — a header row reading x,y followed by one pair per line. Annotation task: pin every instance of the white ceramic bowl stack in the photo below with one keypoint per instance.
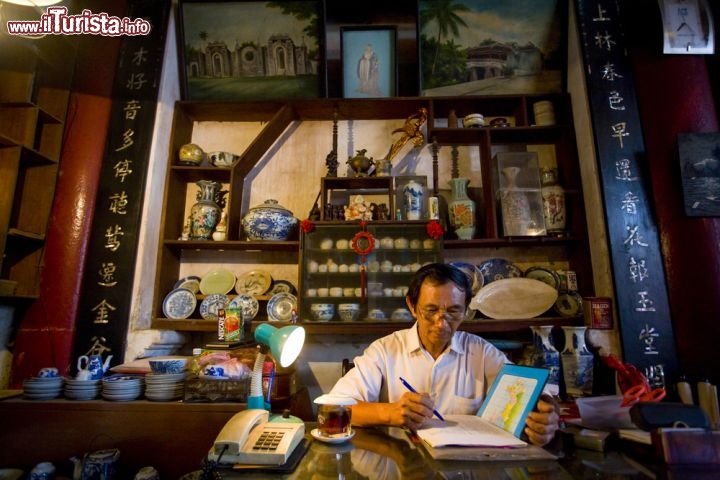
x,y
42,388
163,387
122,388
82,389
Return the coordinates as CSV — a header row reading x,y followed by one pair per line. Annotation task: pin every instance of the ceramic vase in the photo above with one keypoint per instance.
x,y
516,212
545,355
414,199
577,363
205,213
461,209
553,199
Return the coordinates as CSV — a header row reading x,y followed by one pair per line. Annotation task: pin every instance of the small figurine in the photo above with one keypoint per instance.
x,y
186,229
358,209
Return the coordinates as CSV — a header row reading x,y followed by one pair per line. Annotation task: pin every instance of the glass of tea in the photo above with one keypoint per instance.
x,y
334,415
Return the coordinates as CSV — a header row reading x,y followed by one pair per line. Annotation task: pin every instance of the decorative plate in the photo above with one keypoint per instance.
x,y
179,304
315,432
191,282
281,306
209,307
247,304
545,275
569,304
255,282
283,286
472,271
514,298
497,269
219,281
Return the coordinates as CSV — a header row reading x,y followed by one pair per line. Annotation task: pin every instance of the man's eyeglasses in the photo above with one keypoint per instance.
x,y
454,314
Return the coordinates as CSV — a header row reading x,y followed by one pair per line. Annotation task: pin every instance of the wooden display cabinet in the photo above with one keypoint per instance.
x,y
569,251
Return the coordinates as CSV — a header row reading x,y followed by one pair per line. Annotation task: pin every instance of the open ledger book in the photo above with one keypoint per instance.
x,y
501,418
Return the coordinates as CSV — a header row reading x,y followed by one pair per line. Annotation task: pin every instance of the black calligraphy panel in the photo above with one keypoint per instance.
x,y
640,287
105,302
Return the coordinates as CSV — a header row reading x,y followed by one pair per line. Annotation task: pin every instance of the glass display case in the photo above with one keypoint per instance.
x,y
350,272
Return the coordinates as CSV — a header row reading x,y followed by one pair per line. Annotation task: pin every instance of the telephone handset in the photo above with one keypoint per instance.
x,y
249,438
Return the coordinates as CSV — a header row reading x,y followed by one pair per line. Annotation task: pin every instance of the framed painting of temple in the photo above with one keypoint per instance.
x,y
486,47
251,50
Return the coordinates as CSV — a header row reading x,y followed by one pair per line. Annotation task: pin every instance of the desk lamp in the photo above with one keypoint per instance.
x,y
284,344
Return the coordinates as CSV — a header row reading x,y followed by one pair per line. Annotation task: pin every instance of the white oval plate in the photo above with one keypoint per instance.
x,y
514,298
280,307
315,432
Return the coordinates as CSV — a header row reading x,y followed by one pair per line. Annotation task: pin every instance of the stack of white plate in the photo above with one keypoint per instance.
x,y
122,388
163,387
82,389
42,388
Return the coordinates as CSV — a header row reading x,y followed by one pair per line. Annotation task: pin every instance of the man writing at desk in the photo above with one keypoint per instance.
x,y
451,371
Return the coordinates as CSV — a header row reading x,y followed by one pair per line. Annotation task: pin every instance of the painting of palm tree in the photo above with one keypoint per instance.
x,y
486,47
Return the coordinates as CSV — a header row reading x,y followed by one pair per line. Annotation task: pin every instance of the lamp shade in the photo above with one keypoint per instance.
x,y
285,343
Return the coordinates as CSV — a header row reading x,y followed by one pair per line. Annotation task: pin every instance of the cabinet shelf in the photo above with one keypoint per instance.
x,y
236,245
363,327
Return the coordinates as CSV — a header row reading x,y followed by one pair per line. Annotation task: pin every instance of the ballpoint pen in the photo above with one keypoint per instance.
x,y
409,387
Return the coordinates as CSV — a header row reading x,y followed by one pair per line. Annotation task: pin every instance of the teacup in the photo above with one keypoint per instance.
x,y
342,244
336,291
386,242
326,244
348,292
312,292
48,372
334,415
323,292
401,243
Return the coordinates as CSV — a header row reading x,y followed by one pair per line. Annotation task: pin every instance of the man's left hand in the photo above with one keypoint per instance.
x,y
543,422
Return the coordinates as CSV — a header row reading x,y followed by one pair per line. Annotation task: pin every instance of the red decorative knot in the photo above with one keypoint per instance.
x,y
434,230
307,226
363,243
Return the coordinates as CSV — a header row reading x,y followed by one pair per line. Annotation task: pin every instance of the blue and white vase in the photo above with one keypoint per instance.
x,y
269,221
414,199
545,355
577,363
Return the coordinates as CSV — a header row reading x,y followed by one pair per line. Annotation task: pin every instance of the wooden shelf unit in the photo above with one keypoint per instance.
x,y
277,116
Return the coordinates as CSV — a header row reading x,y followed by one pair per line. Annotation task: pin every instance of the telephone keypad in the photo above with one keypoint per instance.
x,y
268,440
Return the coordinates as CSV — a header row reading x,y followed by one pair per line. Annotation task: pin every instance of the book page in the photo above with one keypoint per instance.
x,y
466,430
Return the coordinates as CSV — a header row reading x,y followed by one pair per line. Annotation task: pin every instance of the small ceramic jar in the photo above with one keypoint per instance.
x,y
474,120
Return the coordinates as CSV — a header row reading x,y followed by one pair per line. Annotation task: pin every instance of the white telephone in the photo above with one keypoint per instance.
x,y
249,438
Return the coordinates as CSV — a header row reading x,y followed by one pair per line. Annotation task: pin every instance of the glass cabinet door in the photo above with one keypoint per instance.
x,y
350,273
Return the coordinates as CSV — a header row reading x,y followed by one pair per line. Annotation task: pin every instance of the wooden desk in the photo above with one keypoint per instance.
x,y
171,436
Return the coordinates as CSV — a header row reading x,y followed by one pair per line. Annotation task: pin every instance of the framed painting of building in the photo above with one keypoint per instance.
x,y
368,62
251,50
485,47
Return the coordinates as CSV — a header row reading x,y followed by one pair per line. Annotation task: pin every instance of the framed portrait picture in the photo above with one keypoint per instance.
x,y
250,50
368,62
484,47
687,27
700,172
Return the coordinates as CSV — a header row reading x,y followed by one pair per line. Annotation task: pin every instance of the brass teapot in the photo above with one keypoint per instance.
x,y
360,164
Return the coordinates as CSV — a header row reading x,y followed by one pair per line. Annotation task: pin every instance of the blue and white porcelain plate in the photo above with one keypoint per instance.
x,y
179,304
497,269
545,275
472,271
210,306
281,306
247,304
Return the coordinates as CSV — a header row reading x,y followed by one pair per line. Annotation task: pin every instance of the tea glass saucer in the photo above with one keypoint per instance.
x,y
315,432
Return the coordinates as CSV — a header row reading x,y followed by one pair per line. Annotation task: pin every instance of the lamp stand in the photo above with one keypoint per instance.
x,y
255,399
